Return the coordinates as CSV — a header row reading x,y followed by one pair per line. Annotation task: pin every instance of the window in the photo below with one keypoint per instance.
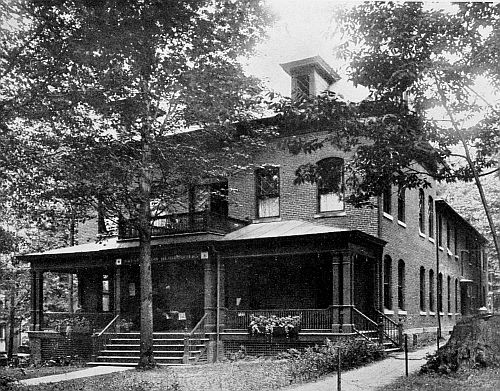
x,y
388,282
421,210
456,295
330,185
440,293
301,86
422,288
401,284
268,191
401,205
440,231
448,234
431,290
448,293
105,293
430,214
387,200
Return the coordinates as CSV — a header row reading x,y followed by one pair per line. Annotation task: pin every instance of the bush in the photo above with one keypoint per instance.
x,y
320,360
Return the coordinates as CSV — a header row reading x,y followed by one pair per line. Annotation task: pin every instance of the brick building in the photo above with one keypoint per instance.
x,y
256,244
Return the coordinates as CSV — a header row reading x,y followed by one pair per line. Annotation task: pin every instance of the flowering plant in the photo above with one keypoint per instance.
x,y
273,325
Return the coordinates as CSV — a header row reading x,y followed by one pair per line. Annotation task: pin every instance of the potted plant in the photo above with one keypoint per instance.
x,y
274,326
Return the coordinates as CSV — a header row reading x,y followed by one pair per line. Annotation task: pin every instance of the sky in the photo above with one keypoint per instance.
x,y
302,29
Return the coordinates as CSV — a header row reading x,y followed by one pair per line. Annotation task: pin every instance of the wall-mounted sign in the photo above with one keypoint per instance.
x,y
118,261
204,255
131,289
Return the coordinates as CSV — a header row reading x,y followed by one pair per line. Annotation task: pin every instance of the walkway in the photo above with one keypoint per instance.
x,y
373,376
94,371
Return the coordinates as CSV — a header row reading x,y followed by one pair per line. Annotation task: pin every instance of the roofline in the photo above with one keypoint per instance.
x,y
443,203
325,70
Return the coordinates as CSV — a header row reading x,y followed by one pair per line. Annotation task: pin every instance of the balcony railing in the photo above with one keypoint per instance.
x,y
184,223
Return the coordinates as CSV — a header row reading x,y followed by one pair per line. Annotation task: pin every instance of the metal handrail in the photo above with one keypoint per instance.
x,y
108,326
198,325
385,317
364,316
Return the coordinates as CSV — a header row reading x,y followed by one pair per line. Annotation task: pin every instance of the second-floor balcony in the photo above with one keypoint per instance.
x,y
183,223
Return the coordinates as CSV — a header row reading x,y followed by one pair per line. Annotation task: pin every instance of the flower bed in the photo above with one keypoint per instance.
x,y
274,326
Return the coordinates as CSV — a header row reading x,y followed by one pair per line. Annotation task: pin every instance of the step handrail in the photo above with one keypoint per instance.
x,y
397,326
364,316
108,326
198,325
385,317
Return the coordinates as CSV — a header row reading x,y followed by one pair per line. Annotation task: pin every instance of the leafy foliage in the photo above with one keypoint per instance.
x,y
320,360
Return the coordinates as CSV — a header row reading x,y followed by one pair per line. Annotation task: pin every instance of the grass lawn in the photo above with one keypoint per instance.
x,y
30,372
478,379
242,375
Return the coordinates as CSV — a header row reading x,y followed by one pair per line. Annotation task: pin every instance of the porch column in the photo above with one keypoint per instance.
x,y
342,288
117,290
210,296
221,283
33,300
38,300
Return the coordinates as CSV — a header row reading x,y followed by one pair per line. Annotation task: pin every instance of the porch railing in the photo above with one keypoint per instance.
x,y
315,319
184,223
392,330
96,320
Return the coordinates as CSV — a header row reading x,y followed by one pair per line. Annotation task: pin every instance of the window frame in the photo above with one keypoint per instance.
x,y
430,216
402,204
401,285
432,303
421,210
325,165
387,200
422,289
387,282
261,194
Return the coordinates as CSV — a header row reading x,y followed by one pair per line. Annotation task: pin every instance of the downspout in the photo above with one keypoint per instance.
x,y
379,261
217,314
438,289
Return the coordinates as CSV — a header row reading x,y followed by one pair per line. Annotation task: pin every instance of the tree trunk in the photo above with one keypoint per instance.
x,y
146,359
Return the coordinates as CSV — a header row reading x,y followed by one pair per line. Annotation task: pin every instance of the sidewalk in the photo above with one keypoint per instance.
x,y
94,371
372,376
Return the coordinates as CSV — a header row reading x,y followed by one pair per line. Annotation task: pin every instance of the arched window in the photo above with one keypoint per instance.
x,y
330,176
440,292
401,284
431,291
448,293
421,210
268,191
402,204
388,282
430,214
422,288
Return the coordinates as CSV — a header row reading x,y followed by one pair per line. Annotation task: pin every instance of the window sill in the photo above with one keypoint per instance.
x,y
432,313
322,215
266,219
432,240
421,234
456,258
423,313
441,248
441,313
402,224
388,312
388,216
402,312
450,313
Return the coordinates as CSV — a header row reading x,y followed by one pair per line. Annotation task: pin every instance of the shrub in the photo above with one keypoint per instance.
x,y
320,360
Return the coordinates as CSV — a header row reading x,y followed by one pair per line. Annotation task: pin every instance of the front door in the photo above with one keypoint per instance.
x,y
364,284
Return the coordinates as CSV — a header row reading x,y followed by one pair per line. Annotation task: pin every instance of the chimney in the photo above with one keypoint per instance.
x,y
310,76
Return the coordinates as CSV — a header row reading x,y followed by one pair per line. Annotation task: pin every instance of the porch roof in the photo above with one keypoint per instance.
x,y
277,229
114,245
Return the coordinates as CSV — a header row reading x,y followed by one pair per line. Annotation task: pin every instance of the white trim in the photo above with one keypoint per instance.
x,y
441,248
388,216
401,223
423,312
450,313
402,312
457,257
432,240
322,215
432,313
421,234
388,312
441,313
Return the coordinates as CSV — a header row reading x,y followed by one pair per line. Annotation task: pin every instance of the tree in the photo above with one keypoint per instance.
x,y
435,57
130,81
